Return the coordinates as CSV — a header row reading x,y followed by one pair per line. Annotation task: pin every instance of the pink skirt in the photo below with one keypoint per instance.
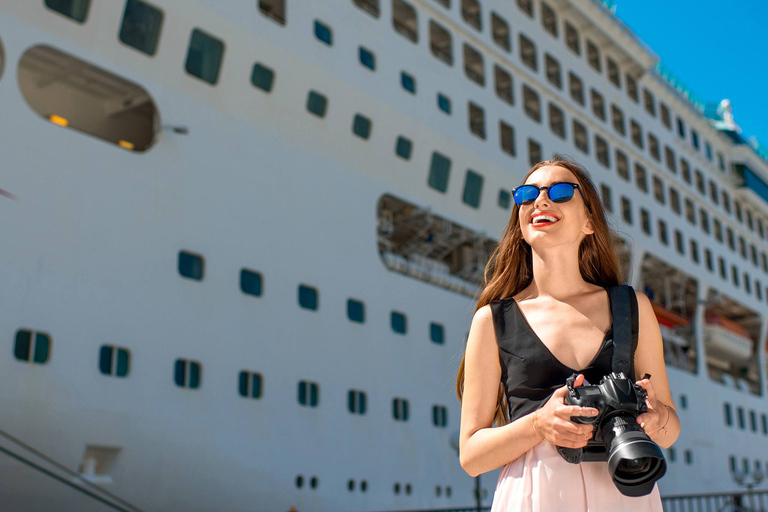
x,y
542,481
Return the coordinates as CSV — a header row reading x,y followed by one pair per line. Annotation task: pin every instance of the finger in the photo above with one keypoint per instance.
x,y
576,410
579,380
648,387
577,429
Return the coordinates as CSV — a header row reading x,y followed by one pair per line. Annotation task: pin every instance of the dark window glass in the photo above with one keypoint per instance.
x,y
666,118
572,38
191,265
632,89
444,103
650,103
548,19
367,58
556,120
663,232
262,77
645,221
601,151
473,187
598,105
622,165
273,9
369,6
507,138
123,359
141,26
553,71
470,11
307,297
250,282
618,120
440,42
204,56
500,29
580,137
75,9
439,171
728,414
505,199
105,359
437,333
531,103
194,375
180,371
641,178
528,53
42,347
317,103
323,32
398,322
361,126
476,120
740,416
576,87
355,310
403,148
408,82
526,6
404,20
613,72
23,345
534,152
605,196
473,65
503,82
626,209
593,56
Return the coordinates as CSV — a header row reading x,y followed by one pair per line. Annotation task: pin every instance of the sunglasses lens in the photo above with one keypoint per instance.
x,y
561,192
526,194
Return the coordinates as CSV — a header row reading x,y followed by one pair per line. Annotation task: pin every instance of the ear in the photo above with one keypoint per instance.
x,y
587,229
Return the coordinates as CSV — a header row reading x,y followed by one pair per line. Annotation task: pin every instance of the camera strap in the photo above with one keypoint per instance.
x,y
625,328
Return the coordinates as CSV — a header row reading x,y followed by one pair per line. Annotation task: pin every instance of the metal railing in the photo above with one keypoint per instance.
x,y
741,501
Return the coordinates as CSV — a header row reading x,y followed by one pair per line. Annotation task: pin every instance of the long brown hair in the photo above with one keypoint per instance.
x,y
510,269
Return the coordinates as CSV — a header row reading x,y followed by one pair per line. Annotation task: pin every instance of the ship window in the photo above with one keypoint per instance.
x,y
505,199
531,103
680,127
685,170
764,420
688,457
361,126
650,103
671,453
723,271
114,361
663,237
690,211
473,65
740,415
731,241
440,42
400,413
632,89
473,188
713,192
557,120
721,162
24,350
369,6
718,230
204,56
753,254
439,171
309,393
572,38
503,84
580,137
367,58
708,150
605,196
669,155
737,211
613,72
249,384
274,9
528,53
323,33
637,133
507,136
760,228
750,222
726,201
735,279
364,485
695,139
500,29
548,19
299,481
598,105
622,165
308,297
403,148
593,56
444,103
758,290
653,147
404,20
141,26
356,402
666,118
470,11
553,71
658,189
2,59
398,322
747,283
187,374
674,200
534,152
72,93
250,282
645,221
355,311
618,120
437,333
641,178
191,265
626,209
576,87
262,77
526,6
317,103
439,416
708,259
75,9
476,120
601,151
679,243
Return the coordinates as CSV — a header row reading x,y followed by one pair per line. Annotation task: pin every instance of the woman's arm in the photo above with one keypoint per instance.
x,y
649,358
483,448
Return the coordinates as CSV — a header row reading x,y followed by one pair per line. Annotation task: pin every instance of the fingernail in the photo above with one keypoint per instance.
x,y
642,425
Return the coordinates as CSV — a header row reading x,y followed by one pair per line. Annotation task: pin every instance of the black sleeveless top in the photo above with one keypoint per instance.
x,y
529,371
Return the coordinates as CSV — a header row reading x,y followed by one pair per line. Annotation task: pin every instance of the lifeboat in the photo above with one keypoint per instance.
x,y
668,318
724,338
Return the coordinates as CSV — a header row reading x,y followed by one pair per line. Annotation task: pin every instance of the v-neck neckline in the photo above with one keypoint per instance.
x,y
597,354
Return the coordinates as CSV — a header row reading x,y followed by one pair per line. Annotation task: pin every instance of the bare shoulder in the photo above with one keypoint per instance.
x,y
645,311
482,323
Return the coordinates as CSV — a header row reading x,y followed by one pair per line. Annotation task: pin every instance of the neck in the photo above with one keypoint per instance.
x,y
556,274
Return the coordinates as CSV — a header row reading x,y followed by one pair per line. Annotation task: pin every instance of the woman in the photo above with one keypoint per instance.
x,y
549,280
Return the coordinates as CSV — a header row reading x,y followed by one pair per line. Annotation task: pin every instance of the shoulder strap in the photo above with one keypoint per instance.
x,y
625,328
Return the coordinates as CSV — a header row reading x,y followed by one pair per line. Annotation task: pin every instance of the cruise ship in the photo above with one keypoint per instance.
x,y
242,243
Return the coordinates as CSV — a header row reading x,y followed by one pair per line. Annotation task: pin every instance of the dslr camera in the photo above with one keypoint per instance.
x,y
635,462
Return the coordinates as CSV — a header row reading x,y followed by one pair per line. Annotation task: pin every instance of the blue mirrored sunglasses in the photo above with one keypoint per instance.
x,y
560,192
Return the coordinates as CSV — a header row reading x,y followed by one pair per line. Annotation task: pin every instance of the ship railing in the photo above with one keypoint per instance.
x,y
738,501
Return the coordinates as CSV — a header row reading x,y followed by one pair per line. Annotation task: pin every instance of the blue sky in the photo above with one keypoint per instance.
x,y
718,49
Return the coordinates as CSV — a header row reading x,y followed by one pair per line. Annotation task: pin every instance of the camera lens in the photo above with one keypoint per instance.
x,y
634,461
634,465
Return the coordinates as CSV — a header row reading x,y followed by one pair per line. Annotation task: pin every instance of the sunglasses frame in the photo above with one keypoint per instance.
x,y
539,189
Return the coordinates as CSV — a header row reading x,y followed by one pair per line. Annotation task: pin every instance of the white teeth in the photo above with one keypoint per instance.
x,y
543,218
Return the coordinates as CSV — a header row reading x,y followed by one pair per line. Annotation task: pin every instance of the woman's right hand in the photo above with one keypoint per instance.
x,y
553,420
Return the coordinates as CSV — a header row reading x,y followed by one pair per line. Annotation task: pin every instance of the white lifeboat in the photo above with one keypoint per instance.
x,y
726,339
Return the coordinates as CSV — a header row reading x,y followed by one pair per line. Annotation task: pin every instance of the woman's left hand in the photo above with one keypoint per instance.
x,y
652,420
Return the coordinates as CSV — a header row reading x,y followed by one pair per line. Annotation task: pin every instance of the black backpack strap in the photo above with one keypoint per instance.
x,y
625,328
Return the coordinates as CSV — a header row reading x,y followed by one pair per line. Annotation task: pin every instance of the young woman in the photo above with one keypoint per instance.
x,y
547,283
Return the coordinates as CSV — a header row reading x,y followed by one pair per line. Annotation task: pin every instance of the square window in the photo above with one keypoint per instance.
x,y
528,53
323,33
470,11
408,82
500,29
317,103
531,103
369,6
191,265
250,282
262,77
273,9
361,126
505,199
548,19
403,148
605,196
355,310
141,26
473,188
398,322
75,9
23,345
404,20
440,42
439,171
534,152
367,58
308,297
444,103
473,65
507,138
572,38
437,333
204,56
503,82
593,56
476,120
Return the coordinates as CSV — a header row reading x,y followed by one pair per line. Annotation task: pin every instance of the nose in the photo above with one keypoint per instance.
x,y
542,198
